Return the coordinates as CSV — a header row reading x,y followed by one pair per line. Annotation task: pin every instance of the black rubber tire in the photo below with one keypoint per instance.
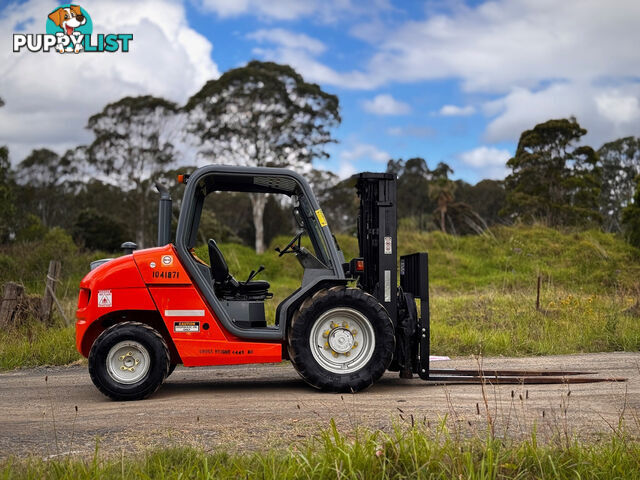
x,y
172,367
158,357
299,347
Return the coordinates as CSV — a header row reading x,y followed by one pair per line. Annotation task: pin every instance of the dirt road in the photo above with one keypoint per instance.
x,y
254,407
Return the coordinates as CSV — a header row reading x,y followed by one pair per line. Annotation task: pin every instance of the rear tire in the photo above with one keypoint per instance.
x,y
129,361
341,340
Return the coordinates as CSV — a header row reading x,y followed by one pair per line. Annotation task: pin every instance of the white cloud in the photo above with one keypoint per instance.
x,y
280,10
557,58
503,43
490,162
319,10
287,39
49,97
311,68
606,113
497,45
485,156
365,151
385,104
618,108
345,169
455,111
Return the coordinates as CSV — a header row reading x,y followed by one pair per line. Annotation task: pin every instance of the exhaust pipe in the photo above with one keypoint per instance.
x,y
164,216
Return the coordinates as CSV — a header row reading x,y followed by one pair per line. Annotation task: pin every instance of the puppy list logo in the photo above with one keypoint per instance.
x,y
70,30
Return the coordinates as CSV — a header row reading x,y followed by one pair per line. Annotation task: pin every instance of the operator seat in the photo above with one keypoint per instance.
x,y
225,286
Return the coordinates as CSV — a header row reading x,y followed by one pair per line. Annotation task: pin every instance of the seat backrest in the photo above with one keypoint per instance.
x,y
219,267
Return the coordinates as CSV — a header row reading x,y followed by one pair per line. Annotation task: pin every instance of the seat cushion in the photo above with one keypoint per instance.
x,y
252,287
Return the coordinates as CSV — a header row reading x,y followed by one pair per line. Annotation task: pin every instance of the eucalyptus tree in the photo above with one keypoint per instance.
x,y
133,145
552,177
414,183
631,217
263,114
7,199
620,165
442,191
47,186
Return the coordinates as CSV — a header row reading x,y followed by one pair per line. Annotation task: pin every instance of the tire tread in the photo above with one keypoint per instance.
x,y
93,362
304,363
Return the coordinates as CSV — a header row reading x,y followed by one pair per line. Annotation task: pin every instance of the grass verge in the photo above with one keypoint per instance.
x,y
508,323
34,344
482,290
405,453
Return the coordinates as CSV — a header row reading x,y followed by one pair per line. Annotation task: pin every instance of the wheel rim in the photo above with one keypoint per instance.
x,y
128,362
342,340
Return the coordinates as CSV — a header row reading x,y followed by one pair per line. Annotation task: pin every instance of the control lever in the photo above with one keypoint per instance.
x,y
253,274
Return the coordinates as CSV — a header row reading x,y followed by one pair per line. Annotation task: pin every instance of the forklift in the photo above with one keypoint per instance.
x,y
143,313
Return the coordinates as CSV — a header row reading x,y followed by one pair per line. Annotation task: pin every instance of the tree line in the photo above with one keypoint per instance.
x,y
266,114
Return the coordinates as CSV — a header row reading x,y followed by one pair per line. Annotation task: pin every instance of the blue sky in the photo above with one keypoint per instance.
x,y
450,81
405,126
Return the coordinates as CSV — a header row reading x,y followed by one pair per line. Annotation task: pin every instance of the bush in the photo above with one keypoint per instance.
x,y
97,231
32,229
27,262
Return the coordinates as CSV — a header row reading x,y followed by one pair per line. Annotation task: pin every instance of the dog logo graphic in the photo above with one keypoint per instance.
x,y
72,21
69,29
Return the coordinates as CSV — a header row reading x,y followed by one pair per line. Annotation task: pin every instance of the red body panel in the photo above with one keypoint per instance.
x,y
154,279
118,281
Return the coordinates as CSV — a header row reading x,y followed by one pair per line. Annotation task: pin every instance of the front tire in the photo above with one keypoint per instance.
x,y
341,340
129,361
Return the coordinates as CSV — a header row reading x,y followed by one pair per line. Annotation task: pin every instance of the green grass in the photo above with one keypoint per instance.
x,y
483,290
34,344
508,324
406,453
506,259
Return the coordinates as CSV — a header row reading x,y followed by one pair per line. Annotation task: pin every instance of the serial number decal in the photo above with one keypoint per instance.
x,y
169,275
221,351
186,326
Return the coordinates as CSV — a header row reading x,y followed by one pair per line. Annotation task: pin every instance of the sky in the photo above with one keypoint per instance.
x,y
453,81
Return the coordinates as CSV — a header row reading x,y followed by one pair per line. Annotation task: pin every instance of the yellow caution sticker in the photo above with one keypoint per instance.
x,y
321,219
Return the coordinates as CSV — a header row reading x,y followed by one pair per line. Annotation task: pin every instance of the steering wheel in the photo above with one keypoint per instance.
x,y
290,246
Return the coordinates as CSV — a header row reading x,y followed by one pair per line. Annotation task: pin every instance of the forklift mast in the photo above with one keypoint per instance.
x,y
377,235
377,242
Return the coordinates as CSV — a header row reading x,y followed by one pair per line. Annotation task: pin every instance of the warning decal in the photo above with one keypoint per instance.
x,y
388,247
186,326
104,298
321,219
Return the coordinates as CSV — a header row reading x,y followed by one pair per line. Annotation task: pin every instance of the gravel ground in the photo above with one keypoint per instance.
x,y
57,410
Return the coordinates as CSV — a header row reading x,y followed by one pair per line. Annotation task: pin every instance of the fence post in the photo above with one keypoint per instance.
x,y
11,298
49,290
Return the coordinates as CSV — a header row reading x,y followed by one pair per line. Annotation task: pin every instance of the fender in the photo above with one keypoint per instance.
x,y
112,287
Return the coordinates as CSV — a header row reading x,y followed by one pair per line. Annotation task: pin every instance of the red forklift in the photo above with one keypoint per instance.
x,y
142,314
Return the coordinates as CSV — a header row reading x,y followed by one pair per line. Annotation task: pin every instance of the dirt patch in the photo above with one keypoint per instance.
x,y
255,407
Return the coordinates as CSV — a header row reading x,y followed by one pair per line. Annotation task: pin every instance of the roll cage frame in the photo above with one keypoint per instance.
x,y
218,178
